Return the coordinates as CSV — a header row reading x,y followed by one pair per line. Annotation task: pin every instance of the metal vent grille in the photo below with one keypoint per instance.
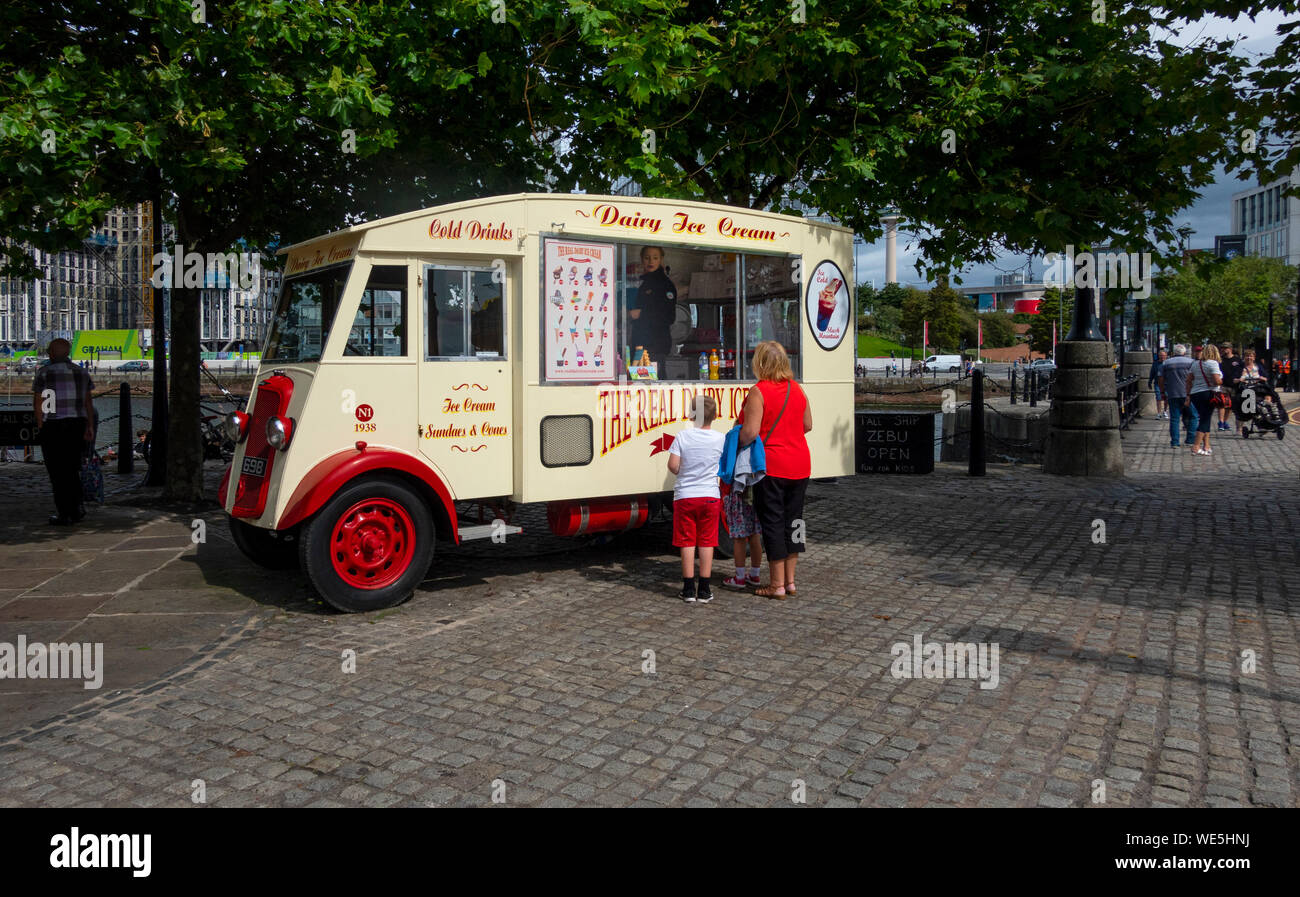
x,y
567,440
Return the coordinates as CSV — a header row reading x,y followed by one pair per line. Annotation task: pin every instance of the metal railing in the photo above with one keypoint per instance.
x,y
1126,394
1036,387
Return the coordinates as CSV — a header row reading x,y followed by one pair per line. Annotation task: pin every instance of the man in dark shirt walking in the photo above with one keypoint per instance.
x,y
1153,380
1231,366
65,416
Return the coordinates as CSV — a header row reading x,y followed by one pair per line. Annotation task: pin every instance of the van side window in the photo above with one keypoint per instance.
x,y
379,328
464,314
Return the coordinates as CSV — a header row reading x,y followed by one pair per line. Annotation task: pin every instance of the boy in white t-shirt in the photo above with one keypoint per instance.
x,y
697,502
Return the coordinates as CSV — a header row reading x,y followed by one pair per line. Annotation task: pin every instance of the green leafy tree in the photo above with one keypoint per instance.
x,y
946,306
1055,308
1225,301
892,295
263,122
888,322
998,332
991,126
914,312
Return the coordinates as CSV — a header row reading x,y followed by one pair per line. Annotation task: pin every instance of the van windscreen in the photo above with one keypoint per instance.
x,y
304,314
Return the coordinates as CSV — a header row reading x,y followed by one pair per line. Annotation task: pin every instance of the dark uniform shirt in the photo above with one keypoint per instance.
x,y
1232,368
657,300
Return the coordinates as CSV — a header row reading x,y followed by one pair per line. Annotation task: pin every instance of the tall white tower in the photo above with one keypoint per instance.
x,y
890,221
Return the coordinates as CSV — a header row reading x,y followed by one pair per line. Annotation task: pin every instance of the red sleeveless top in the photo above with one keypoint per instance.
x,y
786,447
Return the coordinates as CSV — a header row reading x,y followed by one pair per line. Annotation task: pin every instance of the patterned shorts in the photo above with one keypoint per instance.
x,y
742,522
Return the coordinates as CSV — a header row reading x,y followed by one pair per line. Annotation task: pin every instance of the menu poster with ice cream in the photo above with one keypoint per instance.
x,y
579,302
828,305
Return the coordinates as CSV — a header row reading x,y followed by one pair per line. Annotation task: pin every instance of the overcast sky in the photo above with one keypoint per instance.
x,y
1207,217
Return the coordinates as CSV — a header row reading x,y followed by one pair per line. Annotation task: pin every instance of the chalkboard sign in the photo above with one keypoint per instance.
x,y
18,427
894,441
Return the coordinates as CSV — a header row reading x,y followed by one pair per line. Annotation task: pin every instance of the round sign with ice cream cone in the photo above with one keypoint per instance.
x,y
828,305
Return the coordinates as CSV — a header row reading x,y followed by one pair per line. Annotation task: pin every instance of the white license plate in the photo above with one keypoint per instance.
x,y
254,466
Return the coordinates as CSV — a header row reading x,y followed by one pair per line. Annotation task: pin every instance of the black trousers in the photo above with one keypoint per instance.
x,y
62,443
778,502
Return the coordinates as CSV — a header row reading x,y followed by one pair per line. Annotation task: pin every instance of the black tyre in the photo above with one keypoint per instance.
x,y
264,547
952,370
370,546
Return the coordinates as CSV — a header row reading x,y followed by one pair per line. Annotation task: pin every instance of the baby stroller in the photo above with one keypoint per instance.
x,y
1259,409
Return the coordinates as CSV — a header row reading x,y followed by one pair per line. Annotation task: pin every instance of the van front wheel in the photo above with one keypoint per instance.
x,y
370,546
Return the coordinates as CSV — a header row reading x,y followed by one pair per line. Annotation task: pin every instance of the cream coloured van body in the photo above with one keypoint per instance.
x,y
475,352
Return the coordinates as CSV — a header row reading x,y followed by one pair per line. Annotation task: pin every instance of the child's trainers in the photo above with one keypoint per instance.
x,y
735,582
687,594
754,580
705,594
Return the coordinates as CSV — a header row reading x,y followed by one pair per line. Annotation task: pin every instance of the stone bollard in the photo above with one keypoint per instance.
x,y
1083,439
1137,363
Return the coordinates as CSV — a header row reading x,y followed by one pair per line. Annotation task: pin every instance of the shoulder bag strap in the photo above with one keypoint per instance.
x,y
779,413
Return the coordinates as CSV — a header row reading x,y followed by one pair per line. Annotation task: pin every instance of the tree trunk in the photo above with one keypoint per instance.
x,y
185,445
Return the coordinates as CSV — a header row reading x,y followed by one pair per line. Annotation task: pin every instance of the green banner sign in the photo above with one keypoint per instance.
x,y
87,345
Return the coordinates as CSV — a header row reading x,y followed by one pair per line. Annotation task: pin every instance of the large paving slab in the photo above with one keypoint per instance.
x,y
1147,642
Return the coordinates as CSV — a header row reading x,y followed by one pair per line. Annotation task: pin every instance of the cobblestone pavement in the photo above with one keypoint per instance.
x,y
575,678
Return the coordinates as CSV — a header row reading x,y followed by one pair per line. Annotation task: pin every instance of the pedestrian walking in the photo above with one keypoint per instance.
x,y
693,458
777,410
1231,366
1153,380
1204,387
65,414
1173,382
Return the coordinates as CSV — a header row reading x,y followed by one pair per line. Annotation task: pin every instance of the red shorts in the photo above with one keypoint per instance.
x,y
695,522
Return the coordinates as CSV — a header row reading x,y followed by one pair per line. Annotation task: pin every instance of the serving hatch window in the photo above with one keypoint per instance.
x,y
662,312
305,313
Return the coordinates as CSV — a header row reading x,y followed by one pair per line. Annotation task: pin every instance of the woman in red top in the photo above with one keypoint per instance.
x,y
777,410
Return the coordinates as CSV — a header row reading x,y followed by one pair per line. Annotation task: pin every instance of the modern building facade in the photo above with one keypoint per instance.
x,y
1002,295
100,285
1269,219
104,284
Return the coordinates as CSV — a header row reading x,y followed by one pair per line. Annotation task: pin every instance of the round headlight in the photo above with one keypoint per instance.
x,y
277,434
235,423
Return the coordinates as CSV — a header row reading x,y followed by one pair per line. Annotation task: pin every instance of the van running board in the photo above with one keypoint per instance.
x,y
486,530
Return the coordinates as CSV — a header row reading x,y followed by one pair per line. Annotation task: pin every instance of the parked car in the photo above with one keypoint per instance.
x,y
1042,365
133,366
950,363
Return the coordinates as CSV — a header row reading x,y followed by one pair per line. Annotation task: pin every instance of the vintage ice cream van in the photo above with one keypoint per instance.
x,y
517,349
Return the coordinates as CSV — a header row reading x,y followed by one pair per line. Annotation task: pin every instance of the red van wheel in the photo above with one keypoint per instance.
x,y
372,543
370,546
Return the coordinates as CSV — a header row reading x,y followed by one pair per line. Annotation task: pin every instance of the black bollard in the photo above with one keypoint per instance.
x,y
977,425
1013,386
125,436
1033,389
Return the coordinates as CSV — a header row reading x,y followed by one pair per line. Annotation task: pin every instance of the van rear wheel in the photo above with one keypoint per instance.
x,y
274,551
370,546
